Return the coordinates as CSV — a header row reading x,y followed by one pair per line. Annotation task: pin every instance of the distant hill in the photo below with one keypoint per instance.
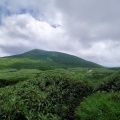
x,y
115,68
44,60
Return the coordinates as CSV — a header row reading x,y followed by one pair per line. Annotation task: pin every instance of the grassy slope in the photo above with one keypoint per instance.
x,y
94,78
45,60
13,76
100,106
21,63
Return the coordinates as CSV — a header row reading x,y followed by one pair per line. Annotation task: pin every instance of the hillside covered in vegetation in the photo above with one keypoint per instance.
x,y
29,92
44,60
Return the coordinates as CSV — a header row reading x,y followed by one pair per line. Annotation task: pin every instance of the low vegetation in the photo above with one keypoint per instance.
x,y
100,106
41,85
58,94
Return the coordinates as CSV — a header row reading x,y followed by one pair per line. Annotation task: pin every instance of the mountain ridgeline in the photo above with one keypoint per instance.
x,y
45,60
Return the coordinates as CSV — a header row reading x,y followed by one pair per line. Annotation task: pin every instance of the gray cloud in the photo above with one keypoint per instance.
x,y
91,20
88,29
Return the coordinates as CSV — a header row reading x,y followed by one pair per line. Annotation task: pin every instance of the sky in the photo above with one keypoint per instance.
x,y
89,29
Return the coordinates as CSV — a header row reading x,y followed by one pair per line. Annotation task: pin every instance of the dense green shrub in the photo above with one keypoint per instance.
x,y
100,106
53,98
112,83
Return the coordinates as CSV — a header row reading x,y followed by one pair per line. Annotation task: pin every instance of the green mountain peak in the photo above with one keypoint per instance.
x,y
41,59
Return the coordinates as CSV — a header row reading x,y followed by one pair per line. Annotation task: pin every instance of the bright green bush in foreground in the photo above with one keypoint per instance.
x,y
100,106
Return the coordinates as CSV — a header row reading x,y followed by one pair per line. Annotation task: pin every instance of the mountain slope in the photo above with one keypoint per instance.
x,y
41,59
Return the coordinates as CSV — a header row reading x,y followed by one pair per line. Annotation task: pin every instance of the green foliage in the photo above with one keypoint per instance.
x,y
111,83
54,98
25,63
13,76
100,106
94,78
59,94
44,60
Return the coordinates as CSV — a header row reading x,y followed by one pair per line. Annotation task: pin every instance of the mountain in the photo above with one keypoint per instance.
x,y
115,68
44,60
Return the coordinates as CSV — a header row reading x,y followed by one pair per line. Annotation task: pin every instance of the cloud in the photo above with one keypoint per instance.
x,y
88,29
93,20
23,32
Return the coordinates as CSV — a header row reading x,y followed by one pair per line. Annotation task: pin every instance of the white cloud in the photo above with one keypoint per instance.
x,y
25,31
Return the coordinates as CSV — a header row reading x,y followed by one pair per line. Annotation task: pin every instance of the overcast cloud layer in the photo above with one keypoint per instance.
x,y
85,28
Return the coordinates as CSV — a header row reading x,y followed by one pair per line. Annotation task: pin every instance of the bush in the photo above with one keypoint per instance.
x,y
100,106
111,84
52,98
